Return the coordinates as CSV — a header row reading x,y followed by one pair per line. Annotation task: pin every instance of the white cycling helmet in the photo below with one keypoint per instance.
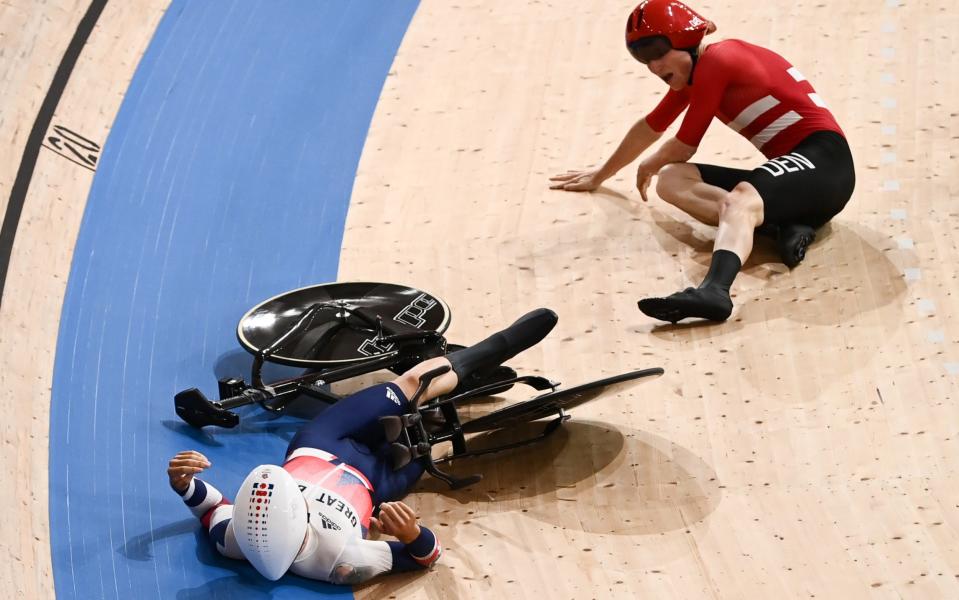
x,y
270,520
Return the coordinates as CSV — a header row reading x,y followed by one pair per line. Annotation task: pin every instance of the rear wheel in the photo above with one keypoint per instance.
x,y
333,336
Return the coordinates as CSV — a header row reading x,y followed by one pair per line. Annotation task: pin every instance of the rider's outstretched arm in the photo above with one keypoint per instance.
x,y
639,137
204,501
215,511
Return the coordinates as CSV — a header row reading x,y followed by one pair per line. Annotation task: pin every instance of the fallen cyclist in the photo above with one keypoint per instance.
x,y
311,516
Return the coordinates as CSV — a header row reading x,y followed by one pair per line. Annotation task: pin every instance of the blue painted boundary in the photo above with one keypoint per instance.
x,y
225,180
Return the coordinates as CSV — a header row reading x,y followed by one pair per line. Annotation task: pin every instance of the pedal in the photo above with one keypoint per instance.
x,y
194,408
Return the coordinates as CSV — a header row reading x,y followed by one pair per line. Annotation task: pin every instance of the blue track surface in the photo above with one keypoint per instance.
x,y
225,180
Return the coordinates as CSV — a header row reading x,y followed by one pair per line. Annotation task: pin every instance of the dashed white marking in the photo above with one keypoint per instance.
x,y
906,244
888,52
888,27
898,214
892,3
888,158
889,130
926,306
936,337
912,274
887,78
890,185
888,102
952,368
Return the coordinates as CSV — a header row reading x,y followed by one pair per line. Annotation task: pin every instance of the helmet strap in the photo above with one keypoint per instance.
x,y
694,54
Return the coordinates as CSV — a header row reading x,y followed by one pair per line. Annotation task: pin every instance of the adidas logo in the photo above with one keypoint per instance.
x,y
392,396
328,524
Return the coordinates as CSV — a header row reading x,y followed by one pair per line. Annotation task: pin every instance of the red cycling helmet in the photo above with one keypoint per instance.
x,y
656,26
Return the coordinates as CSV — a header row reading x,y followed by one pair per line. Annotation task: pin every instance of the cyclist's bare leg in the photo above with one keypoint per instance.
x,y
681,185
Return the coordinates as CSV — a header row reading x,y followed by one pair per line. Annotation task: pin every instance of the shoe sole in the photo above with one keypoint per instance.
x,y
665,309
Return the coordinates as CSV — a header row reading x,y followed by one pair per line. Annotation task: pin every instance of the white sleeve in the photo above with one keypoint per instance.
x,y
342,559
221,532
362,560
216,513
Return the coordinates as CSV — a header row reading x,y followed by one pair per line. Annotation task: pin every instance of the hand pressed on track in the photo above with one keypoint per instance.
x,y
644,175
399,520
585,180
183,467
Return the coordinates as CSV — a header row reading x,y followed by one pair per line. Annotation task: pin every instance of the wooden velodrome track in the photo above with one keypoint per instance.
x,y
808,447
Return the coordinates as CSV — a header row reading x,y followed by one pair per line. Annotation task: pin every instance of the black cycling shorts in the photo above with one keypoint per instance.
x,y
807,186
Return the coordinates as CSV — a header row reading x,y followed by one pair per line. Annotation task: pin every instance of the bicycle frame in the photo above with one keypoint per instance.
x,y
414,346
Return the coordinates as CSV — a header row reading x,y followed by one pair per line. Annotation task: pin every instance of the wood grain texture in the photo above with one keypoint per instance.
x,y
35,37
805,448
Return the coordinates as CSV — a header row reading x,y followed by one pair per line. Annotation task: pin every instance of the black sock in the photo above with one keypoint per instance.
x,y
504,345
722,270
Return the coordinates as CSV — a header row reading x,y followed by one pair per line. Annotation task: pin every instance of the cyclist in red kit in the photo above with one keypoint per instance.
x,y
808,176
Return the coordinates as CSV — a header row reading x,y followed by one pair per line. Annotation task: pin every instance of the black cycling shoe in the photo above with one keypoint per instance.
x,y
525,332
792,242
703,303
483,378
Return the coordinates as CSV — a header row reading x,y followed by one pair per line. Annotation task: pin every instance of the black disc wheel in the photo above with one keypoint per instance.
x,y
341,329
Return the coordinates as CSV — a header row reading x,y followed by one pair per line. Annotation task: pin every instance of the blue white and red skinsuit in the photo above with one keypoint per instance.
x,y
341,461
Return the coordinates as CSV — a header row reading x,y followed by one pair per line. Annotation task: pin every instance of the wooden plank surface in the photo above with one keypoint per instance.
x,y
807,447
34,39
804,448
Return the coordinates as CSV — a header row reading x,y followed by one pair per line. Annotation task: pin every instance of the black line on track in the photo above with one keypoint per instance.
x,y
28,162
